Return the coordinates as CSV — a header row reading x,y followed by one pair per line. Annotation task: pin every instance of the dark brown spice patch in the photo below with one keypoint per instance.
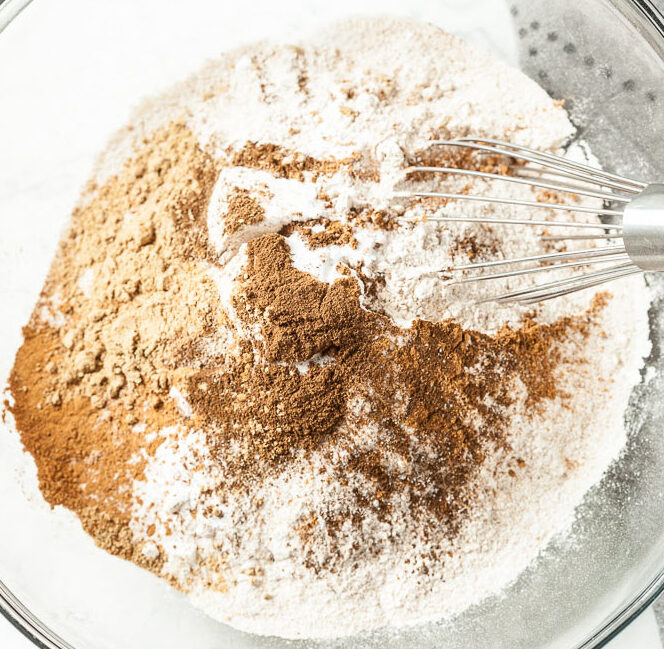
x,y
471,247
367,216
243,210
333,233
436,395
296,165
282,163
458,158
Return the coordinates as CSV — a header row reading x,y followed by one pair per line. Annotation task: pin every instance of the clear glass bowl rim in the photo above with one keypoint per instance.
x,y
648,19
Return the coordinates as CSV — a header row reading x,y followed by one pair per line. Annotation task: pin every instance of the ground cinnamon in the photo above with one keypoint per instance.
x,y
437,394
128,280
243,210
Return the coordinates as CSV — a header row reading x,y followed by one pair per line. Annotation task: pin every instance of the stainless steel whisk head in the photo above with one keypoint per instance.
x,y
639,235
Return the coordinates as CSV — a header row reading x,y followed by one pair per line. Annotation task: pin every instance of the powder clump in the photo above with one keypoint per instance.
x,y
242,210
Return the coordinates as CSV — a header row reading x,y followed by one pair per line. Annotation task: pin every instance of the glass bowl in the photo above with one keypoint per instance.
x,y
70,72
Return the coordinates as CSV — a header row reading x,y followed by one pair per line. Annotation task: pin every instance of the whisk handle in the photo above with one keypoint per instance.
x,y
643,228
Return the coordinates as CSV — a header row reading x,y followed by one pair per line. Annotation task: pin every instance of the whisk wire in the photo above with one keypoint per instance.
x,y
521,202
639,237
554,161
587,253
570,189
587,282
541,269
500,221
578,237
540,292
572,169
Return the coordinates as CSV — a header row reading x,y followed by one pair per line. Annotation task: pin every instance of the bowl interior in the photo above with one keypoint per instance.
x,y
71,72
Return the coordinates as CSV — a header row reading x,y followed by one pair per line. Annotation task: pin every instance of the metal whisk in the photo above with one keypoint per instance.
x,y
639,206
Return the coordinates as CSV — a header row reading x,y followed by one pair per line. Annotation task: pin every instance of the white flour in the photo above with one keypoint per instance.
x,y
382,88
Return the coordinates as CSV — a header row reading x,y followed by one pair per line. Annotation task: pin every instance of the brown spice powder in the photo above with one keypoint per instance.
x,y
78,389
282,163
367,216
296,165
243,210
333,233
458,158
436,395
421,393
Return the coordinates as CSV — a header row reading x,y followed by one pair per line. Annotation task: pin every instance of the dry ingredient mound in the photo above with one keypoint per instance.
x,y
248,370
